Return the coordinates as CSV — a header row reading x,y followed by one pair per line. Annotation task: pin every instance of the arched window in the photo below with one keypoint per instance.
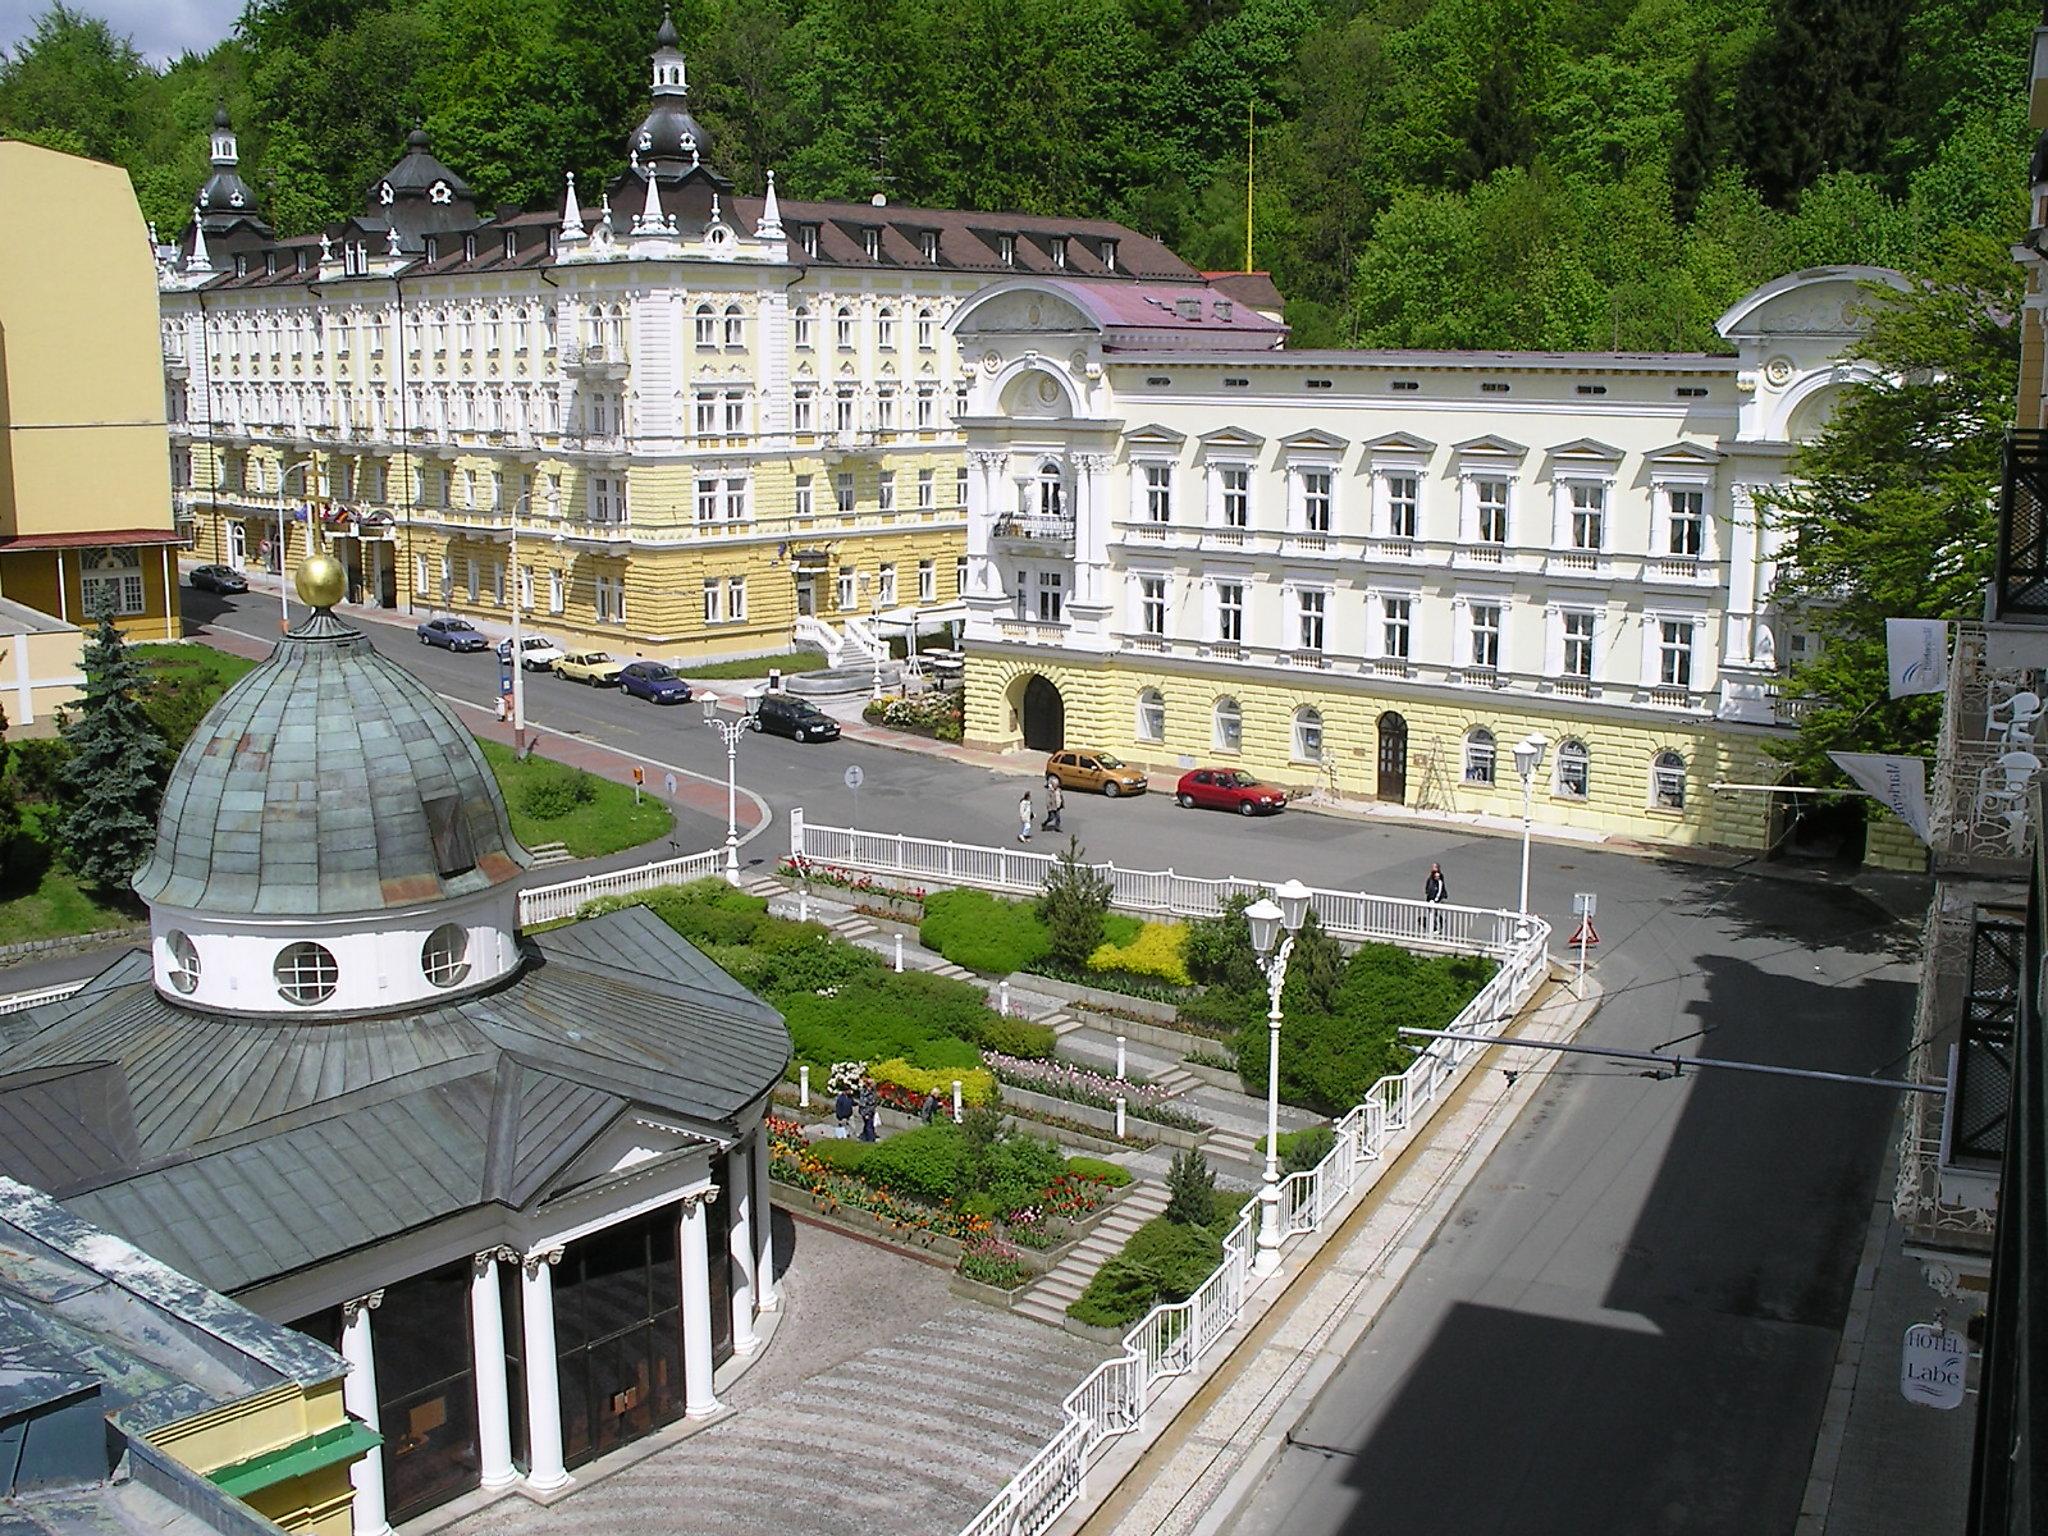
x,y
306,973
1308,735
1227,726
706,333
1151,715
735,327
803,325
183,970
1052,494
1667,782
925,329
1479,756
885,329
615,330
444,958
842,323
1574,770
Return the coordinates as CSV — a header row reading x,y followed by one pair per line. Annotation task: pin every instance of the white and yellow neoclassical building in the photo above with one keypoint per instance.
x,y
712,422
1375,572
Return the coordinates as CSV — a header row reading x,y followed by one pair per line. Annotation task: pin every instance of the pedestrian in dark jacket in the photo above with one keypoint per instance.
x,y
870,1104
1436,891
1055,803
932,1105
842,1111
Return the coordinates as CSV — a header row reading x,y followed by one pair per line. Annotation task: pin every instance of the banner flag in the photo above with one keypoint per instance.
x,y
1900,783
1918,650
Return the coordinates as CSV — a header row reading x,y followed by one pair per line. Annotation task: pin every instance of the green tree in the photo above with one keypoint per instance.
x,y
1820,93
1892,512
10,805
72,85
114,780
1315,970
1190,1190
1072,904
1697,154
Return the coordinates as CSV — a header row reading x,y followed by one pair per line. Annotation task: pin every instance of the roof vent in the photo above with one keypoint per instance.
x,y
1188,309
1224,309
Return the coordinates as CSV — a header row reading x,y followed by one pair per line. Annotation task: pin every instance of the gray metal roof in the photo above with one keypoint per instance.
x,y
312,789
239,1150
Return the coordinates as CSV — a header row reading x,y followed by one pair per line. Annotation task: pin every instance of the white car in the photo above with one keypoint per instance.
x,y
537,653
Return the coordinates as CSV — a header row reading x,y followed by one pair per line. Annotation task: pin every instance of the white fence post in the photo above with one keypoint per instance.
x,y
956,1101
1003,997
899,954
803,1086
796,833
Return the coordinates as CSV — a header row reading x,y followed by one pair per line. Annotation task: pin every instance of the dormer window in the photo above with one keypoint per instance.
x,y
433,248
241,264
1059,252
1006,249
1108,252
270,263
871,243
1187,309
928,243
807,237
469,247
511,245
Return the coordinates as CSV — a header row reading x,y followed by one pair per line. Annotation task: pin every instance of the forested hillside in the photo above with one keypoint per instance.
x,y
1526,173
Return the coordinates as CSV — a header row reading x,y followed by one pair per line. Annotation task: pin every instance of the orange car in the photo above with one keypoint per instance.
x,y
1094,771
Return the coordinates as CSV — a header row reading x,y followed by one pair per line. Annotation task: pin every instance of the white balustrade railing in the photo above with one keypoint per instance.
x,y
1176,1338
21,1002
1346,914
547,903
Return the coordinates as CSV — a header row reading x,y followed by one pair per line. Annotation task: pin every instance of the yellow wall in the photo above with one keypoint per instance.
x,y
235,1432
81,374
30,577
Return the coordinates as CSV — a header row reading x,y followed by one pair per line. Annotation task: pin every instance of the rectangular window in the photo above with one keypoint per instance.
x,y
705,416
1493,511
846,592
1589,516
1578,644
735,498
1486,634
735,597
554,591
1312,606
806,406
735,413
1688,523
419,573
927,407
1315,500
710,599
1159,492
959,575
119,591
469,585
806,505
707,501
526,587
1674,647
927,490
1051,592
960,487
885,491
887,596
608,599
1230,612
803,327
1237,496
927,581
842,490
1396,613
1152,604
1403,506
843,415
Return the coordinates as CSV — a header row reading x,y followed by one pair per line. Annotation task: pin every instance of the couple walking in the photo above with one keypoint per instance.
x,y
869,1103
1055,803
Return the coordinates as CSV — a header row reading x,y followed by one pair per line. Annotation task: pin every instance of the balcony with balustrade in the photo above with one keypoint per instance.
x,y
593,360
1035,533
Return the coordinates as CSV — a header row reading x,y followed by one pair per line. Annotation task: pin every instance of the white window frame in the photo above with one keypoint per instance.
x,y
1226,725
1668,780
1152,491
1673,521
736,599
927,581
1479,760
1233,481
1312,617
1229,625
1306,743
1149,726
1396,618
1151,598
1483,641
1573,753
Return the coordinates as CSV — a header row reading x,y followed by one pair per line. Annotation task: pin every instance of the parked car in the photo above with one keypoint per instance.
x,y
1094,771
537,653
593,667
654,681
453,635
218,578
782,714
1229,789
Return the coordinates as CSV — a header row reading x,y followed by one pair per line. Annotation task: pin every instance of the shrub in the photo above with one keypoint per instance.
x,y
983,932
877,1014
1013,1170
1190,1190
553,790
1219,950
1072,905
1223,1061
1013,1036
1115,1175
1156,950
1301,1150
1120,1294
924,1164
37,767
1163,1261
977,1084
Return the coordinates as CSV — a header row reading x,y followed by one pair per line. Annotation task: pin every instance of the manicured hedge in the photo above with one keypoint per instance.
x,y
1113,1174
940,1163
983,932
1156,950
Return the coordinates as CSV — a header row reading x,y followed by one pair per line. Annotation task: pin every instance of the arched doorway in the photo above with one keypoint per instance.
x,y
1044,715
1393,759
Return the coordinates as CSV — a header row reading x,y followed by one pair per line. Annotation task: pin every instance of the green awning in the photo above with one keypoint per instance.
x,y
344,1442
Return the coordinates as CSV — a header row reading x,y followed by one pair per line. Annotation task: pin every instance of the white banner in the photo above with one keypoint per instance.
x,y
1900,783
1918,649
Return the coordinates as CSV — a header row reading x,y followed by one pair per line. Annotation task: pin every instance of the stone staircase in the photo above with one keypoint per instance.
x,y
546,854
1045,1300
1227,1144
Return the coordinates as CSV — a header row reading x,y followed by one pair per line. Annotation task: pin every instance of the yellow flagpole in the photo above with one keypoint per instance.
x,y
1248,185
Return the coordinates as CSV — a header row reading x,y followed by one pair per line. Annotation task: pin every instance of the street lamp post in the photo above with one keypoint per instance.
x,y
731,730
1268,918
1529,752
284,611
875,633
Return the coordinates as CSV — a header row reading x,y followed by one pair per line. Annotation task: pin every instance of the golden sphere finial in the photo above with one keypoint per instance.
x,y
321,581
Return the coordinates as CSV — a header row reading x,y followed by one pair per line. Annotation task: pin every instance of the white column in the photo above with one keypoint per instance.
x,y
698,1401
359,1397
543,1391
765,1299
487,1350
740,1243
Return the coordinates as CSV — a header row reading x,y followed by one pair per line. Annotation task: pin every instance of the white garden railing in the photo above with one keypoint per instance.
x,y
1175,1339
1346,914
546,903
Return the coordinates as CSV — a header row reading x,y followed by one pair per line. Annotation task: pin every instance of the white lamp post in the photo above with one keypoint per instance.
x,y
731,730
1529,752
284,586
875,631
1267,919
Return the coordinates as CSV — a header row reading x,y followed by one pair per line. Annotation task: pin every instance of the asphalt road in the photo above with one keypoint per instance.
x,y
1629,1323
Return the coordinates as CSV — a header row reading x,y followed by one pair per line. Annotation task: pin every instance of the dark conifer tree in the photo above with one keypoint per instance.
x,y
1697,153
1819,93
113,783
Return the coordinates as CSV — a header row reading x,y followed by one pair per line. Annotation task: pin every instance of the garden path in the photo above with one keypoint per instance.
x,y
1046,1299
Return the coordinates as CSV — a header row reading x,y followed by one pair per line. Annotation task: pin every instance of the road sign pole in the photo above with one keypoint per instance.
x,y
1584,904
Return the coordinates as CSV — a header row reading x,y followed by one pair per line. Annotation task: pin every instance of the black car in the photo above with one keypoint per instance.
x,y
218,578
799,719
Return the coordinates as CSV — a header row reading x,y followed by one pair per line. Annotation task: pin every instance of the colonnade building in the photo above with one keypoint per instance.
x,y
1373,572
710,421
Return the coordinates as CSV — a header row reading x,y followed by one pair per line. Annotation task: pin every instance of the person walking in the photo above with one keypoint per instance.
x,y
932,1105
842,1111
1436,891
1055,802
870,1105
1024,817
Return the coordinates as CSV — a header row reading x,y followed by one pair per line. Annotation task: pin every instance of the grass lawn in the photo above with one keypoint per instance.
x,y
43,900
195,664
605,823
752,666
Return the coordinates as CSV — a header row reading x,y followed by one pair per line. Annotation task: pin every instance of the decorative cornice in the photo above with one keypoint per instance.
x,y
541,1258
480,1262
350,1310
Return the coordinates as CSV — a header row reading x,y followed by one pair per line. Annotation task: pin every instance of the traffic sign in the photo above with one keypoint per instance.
x,y
668,784
854,776
1585,904
1584,936
1932,1365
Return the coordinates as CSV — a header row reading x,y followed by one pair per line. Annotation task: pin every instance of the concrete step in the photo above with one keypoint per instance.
x,y
1177,1080
1052,1315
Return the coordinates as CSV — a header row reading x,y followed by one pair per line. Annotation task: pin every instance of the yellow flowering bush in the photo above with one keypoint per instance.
x,y
1160,949
977,1084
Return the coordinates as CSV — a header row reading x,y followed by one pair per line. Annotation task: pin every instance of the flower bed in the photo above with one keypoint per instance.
x,y
791,1161
840,878
1079,1085
939,714
991,1261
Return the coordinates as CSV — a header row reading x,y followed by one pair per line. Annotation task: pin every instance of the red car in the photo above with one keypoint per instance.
x,y
1229,789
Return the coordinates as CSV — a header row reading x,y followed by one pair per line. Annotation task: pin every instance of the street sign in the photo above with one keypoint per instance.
x,y
854,776
505,678
668,785
1585,904
1584,936
1932,1364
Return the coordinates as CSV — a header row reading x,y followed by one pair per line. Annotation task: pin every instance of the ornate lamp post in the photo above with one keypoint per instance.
x,y
284,586
1268,917
1529,753
732,731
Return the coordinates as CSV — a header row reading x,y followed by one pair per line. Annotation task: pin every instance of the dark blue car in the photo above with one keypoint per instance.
x,y
652,681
